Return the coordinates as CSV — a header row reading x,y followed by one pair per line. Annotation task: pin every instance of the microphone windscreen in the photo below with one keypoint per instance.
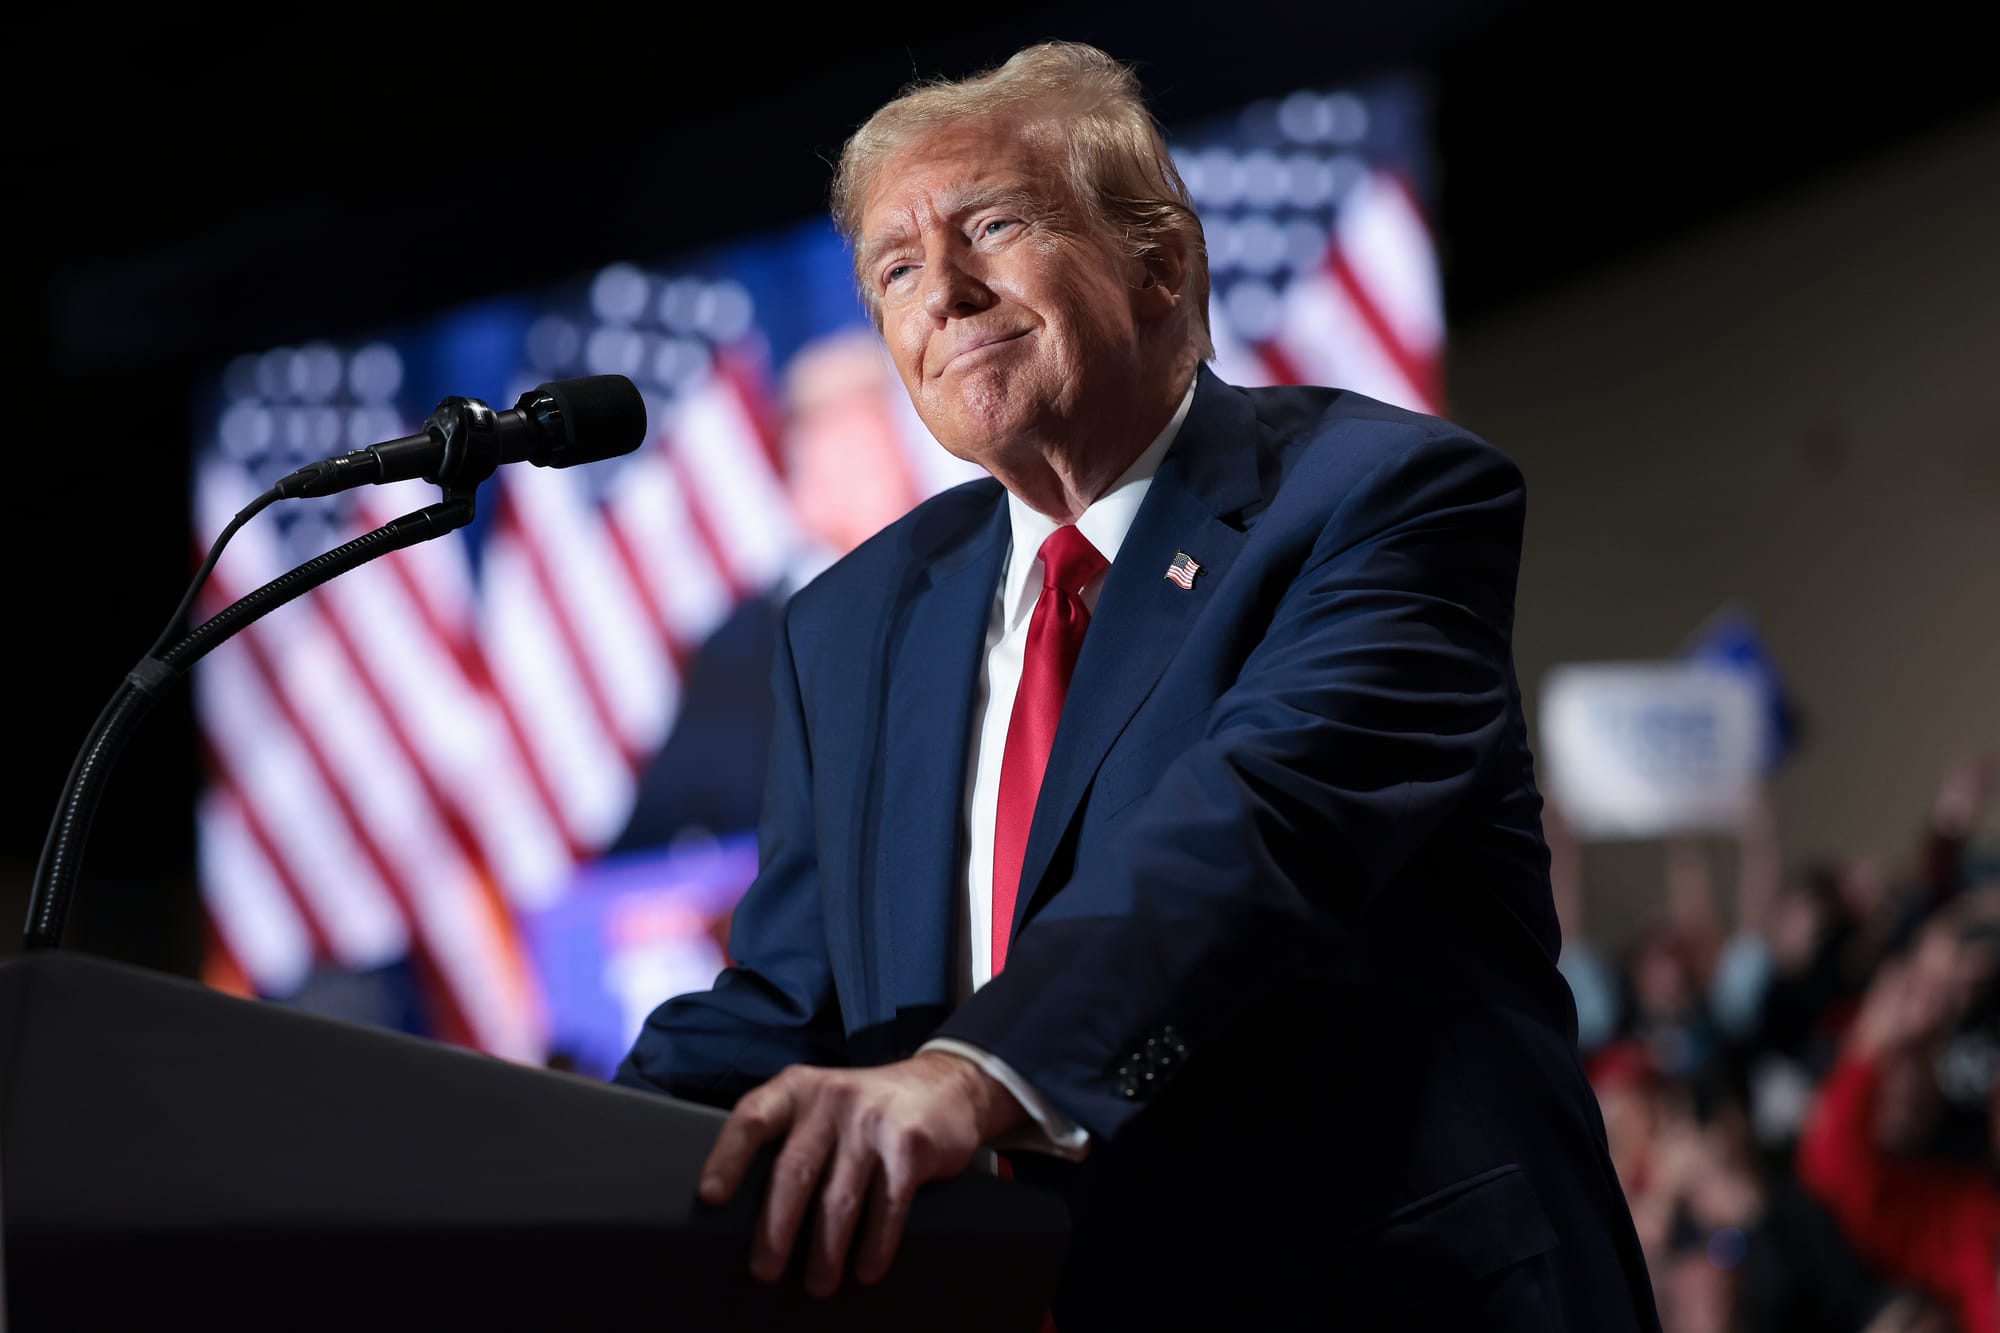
x,y
602,416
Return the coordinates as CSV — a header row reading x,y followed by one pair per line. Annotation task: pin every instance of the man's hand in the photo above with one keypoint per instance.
x,y
856,1135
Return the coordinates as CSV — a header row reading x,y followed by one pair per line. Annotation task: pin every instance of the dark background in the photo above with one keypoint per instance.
x,y
181,193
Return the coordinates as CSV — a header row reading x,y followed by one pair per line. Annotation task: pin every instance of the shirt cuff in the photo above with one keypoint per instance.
x,y
1053,1133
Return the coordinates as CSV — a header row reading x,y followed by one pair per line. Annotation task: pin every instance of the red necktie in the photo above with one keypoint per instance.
x,y
1055,636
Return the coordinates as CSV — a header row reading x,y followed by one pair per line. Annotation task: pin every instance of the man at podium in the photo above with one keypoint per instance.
x,y
1159,811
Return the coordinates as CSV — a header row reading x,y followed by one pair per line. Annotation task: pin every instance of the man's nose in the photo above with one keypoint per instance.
x,y
952,289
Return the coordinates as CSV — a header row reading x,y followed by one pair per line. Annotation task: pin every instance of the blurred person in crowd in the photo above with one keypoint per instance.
x,y
846,479
1689,1174
1667,978
1741,965
1961,801
1932,1222
1956,887
1681,987
1593,978
1728,1249
1627,1087
1791,977
1661,992
1733,1241
1258,969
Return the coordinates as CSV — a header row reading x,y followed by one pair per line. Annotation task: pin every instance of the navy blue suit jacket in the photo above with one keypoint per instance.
x,y
1284,945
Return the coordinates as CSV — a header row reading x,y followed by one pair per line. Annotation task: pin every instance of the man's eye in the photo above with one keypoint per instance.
x,y
894,273
994,227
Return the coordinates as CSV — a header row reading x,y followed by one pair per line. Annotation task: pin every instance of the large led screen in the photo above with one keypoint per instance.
x,y
501,788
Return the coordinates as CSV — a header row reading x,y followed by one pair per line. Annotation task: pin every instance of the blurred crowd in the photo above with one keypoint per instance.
x,y
1802,1094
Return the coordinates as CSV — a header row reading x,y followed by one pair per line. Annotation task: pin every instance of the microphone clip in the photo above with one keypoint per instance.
x,y
469,433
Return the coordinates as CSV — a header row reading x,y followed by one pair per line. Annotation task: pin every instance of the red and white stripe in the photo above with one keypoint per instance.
x,y
447,724
650,518
320,797
1369,317
727,466
533,651
260,918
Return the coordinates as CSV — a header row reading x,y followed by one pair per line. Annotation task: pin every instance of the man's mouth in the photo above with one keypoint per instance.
x,y
980,344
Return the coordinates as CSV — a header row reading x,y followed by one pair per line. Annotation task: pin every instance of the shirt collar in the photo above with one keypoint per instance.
x,y
1105,522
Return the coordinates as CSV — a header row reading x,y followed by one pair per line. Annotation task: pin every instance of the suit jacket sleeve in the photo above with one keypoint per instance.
x,y
1356,727
775,1005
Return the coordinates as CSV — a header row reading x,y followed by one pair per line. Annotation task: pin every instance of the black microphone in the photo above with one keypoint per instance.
x,y
558,424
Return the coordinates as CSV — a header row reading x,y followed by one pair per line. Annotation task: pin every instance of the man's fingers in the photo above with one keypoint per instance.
x,y
796,1173
840,1203
888,1206
867,1134
761,1116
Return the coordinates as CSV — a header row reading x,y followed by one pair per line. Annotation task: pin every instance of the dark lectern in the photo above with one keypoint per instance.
x,y
173,1157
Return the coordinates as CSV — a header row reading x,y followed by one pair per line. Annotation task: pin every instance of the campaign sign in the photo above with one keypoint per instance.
x,y
1645,749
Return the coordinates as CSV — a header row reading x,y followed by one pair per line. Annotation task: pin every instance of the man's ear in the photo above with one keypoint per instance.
x,y
1162,277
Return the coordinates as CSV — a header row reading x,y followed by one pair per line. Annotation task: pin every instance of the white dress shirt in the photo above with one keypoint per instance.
x,y
1105,523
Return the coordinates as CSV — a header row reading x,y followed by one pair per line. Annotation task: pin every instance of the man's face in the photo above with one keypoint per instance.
x,y
1011,320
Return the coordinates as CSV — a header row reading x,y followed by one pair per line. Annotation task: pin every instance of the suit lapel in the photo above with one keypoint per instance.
x,y
933,663
1143,617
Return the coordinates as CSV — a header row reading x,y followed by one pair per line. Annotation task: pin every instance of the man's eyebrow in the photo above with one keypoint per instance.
x,y
998,196
976,199
881,244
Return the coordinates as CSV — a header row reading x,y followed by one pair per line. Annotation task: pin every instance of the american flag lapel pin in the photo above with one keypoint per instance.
x,y
1183,569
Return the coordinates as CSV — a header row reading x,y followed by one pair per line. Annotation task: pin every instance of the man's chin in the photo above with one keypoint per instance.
x,y
982,432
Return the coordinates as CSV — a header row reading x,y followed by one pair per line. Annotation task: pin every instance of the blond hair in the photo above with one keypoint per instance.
x,y
1116,166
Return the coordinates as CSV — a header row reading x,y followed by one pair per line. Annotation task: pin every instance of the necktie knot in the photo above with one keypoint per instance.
x,y
1069,561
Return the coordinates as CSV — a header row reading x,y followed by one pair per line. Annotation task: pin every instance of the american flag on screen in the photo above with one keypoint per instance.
x,y
406,765
1321,257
